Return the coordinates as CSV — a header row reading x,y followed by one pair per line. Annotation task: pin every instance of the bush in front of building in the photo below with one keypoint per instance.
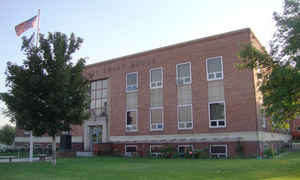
x,y
200,153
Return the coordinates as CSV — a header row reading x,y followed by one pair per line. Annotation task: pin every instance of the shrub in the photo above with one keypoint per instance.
x,y
269,153
239,149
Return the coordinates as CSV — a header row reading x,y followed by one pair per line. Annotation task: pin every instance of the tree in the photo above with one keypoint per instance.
x,y
280,69
7,134
47,93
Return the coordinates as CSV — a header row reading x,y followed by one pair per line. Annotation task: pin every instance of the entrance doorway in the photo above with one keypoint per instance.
x,y
95,134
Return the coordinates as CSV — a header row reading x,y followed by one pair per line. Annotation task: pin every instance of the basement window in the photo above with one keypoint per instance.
x,y
218,151
156,150
184,149
130,150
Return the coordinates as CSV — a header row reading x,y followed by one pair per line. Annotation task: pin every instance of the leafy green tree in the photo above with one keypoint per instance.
x,y
280,68
47,93
7,134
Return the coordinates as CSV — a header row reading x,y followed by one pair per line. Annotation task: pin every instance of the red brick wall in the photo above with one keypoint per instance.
x,y
238,85
293,125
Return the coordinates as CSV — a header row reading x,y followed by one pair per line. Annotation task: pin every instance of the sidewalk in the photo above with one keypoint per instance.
x,y
19,160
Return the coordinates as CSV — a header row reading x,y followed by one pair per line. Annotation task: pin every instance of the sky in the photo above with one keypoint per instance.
x,y
115,28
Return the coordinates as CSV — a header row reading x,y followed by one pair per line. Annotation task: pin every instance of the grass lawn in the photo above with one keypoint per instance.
x,y
107,168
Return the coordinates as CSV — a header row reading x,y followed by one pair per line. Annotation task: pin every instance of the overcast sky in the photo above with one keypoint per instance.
x,y
116,28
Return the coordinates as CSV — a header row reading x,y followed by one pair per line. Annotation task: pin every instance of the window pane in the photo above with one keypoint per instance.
x,y
157,148
216,111
131,79
156,115
185,113
99,84
218,149
183,70
93,85
130,148
131,117
214,65
104,83
156,75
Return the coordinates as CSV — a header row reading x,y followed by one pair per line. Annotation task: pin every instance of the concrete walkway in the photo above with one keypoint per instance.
x,y
19,160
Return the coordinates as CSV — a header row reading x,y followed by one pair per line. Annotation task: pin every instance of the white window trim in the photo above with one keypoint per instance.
x,y
225,124
215,73
131,110
190,82
127,145
218,154
184,145
162,110
185,128
156,154
162,78
137,81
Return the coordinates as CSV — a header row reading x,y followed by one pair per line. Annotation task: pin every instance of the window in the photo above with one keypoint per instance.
x,y
130,150
131,120
132,81
49,146
298,128
185,120
214,68
217,117
99,97
156,150
36,146
156,78
156,118
218,151
184,149
183,73
264,122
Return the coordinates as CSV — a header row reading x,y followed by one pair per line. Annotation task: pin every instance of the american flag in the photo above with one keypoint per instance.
x,y
24,26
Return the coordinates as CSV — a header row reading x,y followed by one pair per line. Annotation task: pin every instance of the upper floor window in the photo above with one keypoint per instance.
x,y
217,117
99,97
183,73
156,118
214,68
131,120
185,120
131,81
156,78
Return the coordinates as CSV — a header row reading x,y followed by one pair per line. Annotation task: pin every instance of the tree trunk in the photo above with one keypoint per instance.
x,y
54,150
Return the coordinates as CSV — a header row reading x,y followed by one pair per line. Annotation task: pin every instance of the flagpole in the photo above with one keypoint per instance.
x,y
38,29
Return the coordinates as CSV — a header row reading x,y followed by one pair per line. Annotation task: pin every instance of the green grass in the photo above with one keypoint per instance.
x,y
107,168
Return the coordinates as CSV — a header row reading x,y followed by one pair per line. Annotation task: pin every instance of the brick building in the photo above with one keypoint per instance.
x,y
187,95
295,128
